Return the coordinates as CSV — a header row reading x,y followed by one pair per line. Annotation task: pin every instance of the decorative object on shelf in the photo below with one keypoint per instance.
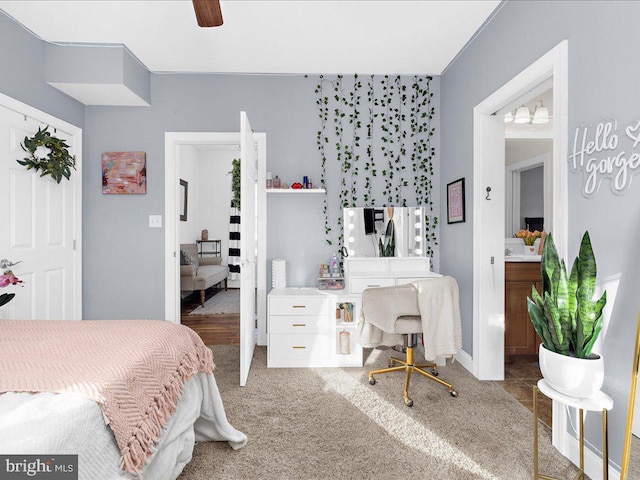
x,y
276,182
529,238
568,318
455,201
204,235
296,186
48,155
269,180
124,173
235,183
7,279
279,273
392,140
345,342
184,186
331,283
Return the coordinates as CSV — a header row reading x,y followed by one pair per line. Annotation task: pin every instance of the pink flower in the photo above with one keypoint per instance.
x,y
9,279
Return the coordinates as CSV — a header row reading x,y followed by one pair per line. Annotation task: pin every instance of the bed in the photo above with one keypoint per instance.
x,y
130,398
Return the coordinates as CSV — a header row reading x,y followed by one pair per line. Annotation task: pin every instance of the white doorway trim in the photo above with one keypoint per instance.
x,y
76,134
173,142
488,361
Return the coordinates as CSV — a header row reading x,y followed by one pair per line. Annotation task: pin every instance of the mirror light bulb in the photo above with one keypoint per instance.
x,y
351,213
418,251
351,239
418,238
352,252
417,212
351,226
418,225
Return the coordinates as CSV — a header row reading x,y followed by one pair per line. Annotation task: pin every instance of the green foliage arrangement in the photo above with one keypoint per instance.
x,y
235,183
48,155
381,129
567,315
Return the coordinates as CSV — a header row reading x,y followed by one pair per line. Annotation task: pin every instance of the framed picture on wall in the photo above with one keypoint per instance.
x,y
184,197
124,173
455,201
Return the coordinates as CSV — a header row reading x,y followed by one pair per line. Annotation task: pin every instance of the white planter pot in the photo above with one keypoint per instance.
x,y
575,377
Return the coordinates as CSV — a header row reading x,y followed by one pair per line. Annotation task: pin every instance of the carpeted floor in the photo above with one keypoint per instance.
x,y
331,424
225,301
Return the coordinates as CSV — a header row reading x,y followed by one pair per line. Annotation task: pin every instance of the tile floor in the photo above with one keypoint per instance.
x,y
520,375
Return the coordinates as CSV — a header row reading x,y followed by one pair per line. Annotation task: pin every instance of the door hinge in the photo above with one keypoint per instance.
x,y
74,243
174,254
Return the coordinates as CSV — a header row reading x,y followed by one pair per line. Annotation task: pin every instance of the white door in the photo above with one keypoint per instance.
x,y
489,235
38,218
248,245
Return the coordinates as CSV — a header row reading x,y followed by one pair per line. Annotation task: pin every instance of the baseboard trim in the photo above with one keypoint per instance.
x,y
465,360
592,460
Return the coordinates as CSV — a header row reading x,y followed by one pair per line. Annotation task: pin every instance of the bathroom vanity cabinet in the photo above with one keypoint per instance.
x,y
520,337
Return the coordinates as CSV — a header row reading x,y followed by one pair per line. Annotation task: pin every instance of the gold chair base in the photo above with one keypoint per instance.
x,y
409,367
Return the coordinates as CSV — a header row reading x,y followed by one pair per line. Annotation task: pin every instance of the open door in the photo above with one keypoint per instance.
x,y
488,237
248,246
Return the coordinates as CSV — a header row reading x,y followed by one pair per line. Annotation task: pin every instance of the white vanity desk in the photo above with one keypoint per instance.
x,y
362,273
306,326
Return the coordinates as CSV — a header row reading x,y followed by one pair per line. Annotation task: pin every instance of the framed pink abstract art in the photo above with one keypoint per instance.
x,y
124,172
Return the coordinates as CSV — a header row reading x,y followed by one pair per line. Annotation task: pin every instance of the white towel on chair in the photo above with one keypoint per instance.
x,y
438,300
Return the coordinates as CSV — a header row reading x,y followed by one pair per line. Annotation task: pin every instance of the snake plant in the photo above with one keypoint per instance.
x,y
567,316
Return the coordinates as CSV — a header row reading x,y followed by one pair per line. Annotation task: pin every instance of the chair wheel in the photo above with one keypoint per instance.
x,y
408,402
453,393
372,381
434,372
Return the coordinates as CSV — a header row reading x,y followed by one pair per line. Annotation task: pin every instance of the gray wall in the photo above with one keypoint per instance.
x,y
119,243
603,73
22,57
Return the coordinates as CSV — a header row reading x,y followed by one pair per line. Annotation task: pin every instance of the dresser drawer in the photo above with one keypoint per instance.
x,y
358,285
298,349
298,324
299,305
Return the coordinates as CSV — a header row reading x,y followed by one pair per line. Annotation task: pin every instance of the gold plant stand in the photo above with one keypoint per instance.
x,y
600,402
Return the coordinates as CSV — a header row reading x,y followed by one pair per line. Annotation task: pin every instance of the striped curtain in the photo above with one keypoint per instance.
x,y
234,243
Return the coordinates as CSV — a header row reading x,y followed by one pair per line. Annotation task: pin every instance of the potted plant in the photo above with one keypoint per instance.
x,y
529,239
568,319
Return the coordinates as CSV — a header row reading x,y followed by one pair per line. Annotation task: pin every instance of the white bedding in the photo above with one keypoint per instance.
x,y
48,423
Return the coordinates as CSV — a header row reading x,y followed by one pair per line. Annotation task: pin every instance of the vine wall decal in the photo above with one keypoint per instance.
x,y
390,131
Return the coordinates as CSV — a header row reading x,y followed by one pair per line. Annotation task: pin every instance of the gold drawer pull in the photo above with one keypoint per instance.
x,y
299,306
298,346
299,325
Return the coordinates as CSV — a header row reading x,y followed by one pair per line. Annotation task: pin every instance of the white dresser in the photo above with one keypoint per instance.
x,y
307,328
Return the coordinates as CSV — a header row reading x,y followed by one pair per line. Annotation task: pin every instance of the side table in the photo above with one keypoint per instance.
x,y
600,402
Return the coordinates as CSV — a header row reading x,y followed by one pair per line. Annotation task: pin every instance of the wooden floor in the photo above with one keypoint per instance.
x,y
222,329
520,375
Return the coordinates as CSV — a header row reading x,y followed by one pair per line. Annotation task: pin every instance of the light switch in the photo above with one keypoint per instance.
x,y
155,221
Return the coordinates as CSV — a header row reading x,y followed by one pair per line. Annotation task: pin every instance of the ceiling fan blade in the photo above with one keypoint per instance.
x,y
208,12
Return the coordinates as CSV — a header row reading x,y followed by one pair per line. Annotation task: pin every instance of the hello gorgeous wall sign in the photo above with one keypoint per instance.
x,y
601,152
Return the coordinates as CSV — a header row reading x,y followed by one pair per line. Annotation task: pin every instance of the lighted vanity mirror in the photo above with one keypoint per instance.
x,y
384,231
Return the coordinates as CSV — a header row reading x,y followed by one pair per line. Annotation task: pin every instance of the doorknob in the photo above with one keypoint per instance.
x,y
5,264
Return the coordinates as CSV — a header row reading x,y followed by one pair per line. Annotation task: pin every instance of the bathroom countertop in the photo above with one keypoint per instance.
x,y
522,258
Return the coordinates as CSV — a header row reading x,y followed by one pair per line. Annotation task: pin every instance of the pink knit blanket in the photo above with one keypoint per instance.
x,y
133,369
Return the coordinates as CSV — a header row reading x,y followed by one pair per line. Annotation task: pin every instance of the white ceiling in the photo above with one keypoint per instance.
x,y
279,37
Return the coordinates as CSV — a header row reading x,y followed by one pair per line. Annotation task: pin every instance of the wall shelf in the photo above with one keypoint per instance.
x,y
295,190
